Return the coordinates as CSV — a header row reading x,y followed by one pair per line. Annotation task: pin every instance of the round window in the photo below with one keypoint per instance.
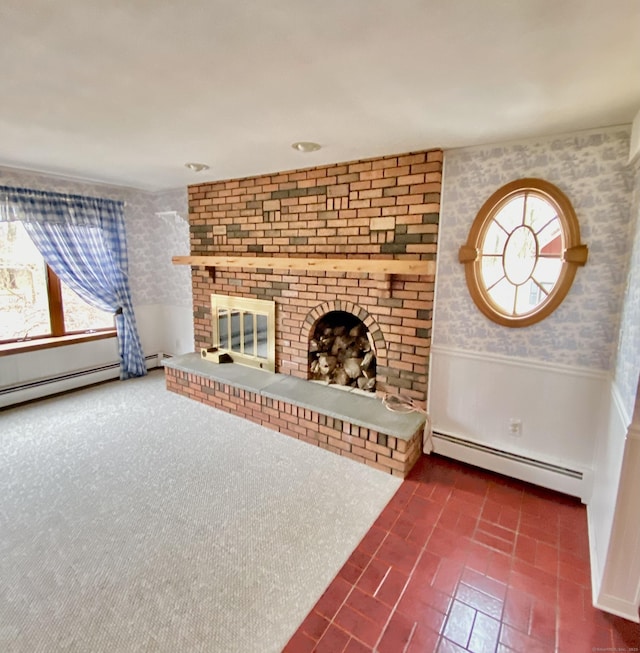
x,y
522,252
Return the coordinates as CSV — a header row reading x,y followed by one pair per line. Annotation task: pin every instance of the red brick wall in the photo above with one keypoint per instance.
x,y
379,208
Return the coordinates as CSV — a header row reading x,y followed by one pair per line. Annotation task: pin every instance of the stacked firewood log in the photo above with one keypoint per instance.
x,y
343,356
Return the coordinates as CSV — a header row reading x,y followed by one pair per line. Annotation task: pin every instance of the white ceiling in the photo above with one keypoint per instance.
x,y
127,91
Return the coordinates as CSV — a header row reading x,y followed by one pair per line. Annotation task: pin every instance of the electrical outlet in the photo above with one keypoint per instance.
x,y
515,427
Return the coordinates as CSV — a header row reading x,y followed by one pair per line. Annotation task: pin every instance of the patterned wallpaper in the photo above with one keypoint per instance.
x,y
627,367
173,240
151,240
591,168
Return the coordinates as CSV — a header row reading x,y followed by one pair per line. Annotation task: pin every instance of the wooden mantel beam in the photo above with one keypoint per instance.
x,y
375,266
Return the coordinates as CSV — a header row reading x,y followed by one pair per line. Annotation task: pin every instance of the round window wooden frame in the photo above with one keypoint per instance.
x,y
575,253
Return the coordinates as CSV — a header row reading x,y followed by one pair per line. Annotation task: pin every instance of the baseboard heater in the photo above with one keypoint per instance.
x,y
560,478
507,455
67,377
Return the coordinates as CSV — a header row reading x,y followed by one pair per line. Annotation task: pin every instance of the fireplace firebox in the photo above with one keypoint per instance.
x,y
342,352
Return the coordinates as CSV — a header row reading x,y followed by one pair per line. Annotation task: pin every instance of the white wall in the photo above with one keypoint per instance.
x,y
601,510
616,583
161,292
614,519
165,328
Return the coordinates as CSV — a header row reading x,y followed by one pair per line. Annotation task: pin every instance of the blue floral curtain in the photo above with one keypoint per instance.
x,y
83,240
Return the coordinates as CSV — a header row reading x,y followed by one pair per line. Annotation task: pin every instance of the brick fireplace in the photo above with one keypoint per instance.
x,y
375,209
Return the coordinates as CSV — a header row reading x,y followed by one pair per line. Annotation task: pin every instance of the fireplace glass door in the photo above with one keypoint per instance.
x,y
245,329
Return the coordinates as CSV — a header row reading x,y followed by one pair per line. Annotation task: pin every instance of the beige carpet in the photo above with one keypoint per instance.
x,y
134,520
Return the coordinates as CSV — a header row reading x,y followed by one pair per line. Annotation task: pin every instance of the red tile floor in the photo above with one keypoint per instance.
x,y
466,560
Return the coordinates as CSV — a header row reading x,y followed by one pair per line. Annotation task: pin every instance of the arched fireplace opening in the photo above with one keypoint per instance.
x,y
342,352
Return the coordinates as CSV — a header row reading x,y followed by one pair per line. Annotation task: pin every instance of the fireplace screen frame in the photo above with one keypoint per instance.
x,y
248,344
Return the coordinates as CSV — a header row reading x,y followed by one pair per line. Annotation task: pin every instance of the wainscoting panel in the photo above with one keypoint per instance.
x,y
531,420
62,381
607,463
614,526
33,374
619,589
165,327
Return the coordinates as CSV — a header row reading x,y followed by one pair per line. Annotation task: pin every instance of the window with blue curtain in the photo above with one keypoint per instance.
x,y
83,240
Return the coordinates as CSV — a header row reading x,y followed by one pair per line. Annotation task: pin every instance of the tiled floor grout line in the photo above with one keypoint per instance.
x,y
508,584
381,583
410,577
411,634
484,503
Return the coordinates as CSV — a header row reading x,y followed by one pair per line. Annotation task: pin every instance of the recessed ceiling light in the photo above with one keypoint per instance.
x,y
305,146
196,167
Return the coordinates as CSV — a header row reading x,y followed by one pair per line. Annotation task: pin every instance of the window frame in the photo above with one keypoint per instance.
x,y
573,256
59,336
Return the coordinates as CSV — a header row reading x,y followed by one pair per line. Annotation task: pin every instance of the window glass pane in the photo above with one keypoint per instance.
x,y
263,351
539,212
503,294
24,303
528,296
79,316
547,272
223,329
492,270
495,239
550,239
235,331
531,295
520,255
248,333
511,215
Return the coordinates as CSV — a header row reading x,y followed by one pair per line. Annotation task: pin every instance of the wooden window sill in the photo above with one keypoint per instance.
x,y
8,348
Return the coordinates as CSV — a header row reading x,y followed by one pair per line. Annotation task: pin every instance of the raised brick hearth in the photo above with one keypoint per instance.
x,y
355,427
384,208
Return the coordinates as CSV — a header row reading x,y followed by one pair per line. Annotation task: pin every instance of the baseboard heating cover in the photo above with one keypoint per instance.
x,y
555,477
60,382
